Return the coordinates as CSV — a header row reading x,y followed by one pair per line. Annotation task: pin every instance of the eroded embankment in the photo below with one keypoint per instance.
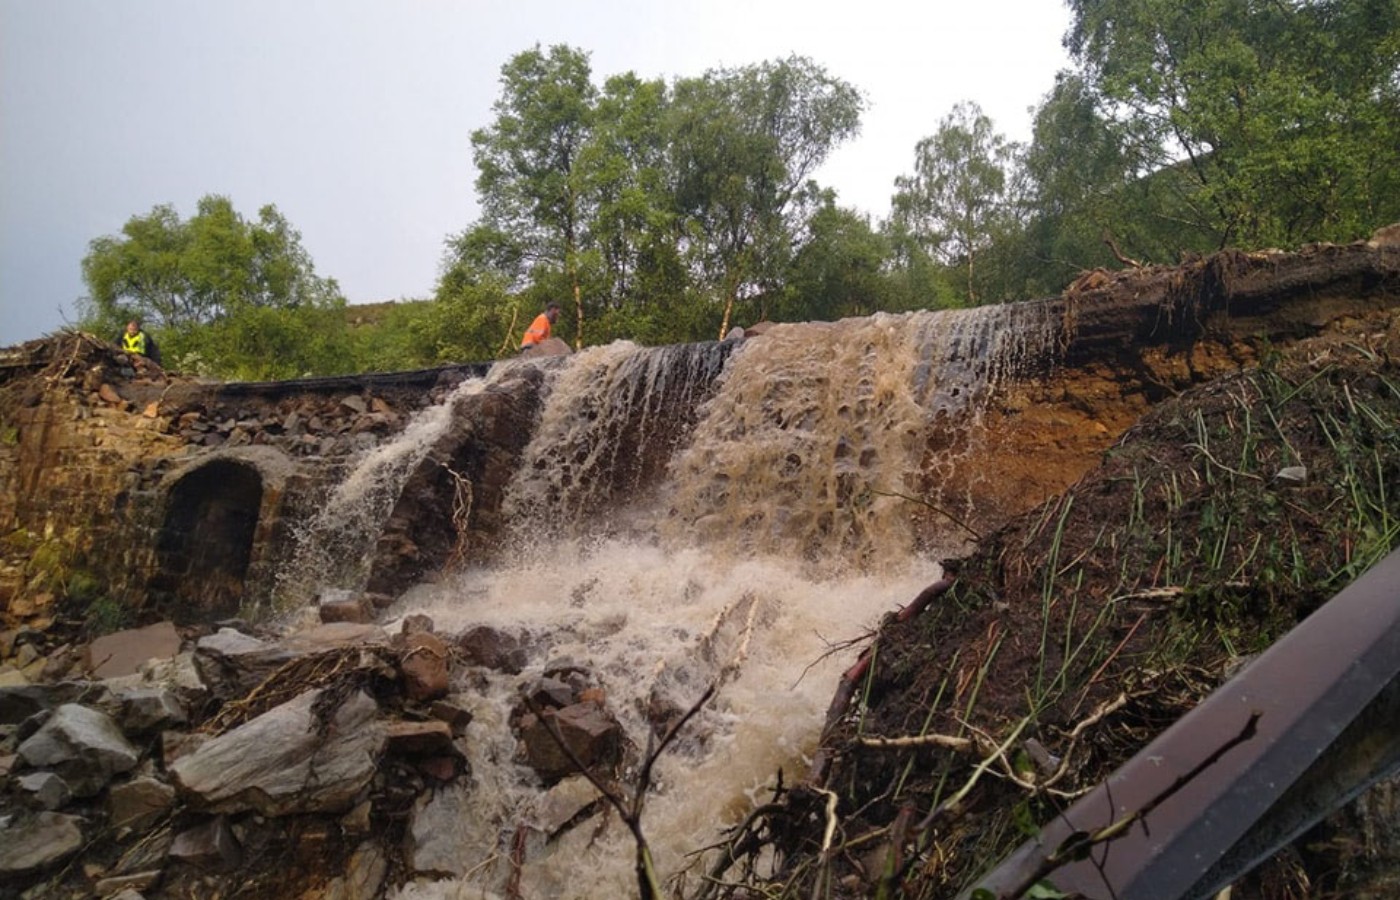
x,y
1080,630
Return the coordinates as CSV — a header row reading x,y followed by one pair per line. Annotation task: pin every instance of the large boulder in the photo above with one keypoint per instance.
x,y
287,761
35,844
84,746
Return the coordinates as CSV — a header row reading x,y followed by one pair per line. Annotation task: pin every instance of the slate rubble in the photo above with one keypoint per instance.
x,y
339,744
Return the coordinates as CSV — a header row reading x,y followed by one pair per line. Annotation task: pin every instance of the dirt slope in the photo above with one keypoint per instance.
x,y
1093,622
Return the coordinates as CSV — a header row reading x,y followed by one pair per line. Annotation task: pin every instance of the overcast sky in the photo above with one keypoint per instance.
x,y
354,116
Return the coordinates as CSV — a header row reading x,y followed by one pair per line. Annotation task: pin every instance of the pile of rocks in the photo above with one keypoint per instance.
x,y
320,763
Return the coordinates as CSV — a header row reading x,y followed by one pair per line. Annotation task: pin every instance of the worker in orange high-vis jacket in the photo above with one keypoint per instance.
x,y
539,329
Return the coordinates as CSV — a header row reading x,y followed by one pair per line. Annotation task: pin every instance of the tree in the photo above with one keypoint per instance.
x,y
838,268
958,190
744,143
529,179
178,275
1280,119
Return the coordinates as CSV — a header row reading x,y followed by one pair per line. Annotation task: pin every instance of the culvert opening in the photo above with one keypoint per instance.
x,y
206,540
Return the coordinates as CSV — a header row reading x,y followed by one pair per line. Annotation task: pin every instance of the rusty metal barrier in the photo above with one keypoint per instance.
x,y
1300,731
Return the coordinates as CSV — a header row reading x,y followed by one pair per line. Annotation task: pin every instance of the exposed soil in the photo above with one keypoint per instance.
x,y
1119,605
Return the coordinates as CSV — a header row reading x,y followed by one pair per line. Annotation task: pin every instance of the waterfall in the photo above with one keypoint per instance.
x,y
709,514
332,547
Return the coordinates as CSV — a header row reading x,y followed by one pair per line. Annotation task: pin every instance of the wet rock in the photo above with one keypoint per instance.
x,y
416,623
364,875
594,736
36,843
334,636
564,803
83,745
549,693
494,649
456,717
209,846
20,702
419,739
120,885
146,710
424,666
232,663
354,403
357,610
45,789
436,843
139,803
280,763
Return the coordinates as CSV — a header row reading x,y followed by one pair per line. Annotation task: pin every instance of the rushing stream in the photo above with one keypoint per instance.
x,y
739,536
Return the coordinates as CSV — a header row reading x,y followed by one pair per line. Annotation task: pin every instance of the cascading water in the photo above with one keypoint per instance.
x,y
332,551
695,516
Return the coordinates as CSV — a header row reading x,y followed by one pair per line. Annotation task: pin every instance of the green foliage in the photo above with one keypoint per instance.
x,y
957,196
1280,121
177,275
260,343
105,615
663,213
838,268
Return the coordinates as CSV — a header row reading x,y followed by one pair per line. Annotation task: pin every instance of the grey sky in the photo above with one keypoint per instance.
x,y
354,116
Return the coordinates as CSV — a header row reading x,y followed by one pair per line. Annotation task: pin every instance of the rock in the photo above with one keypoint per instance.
x,y
494,649
424,666
118,885
551,347
278,764
419,739
145,710
364,875
20,702
437,844
232,663
562,803
416,623
110,396
357,610
209,846
441,769
1292,475
46,790
456,717
334,636
593,735
550,693
83,745
354,403
139,803
123,652
34,844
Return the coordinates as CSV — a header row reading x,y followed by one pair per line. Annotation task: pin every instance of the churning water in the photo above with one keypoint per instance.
x,y
691,516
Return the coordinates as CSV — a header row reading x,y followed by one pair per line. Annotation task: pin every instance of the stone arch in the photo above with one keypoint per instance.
x,y
206,538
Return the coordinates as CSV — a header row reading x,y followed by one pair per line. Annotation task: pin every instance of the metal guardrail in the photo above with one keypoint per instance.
x,y
1302,730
